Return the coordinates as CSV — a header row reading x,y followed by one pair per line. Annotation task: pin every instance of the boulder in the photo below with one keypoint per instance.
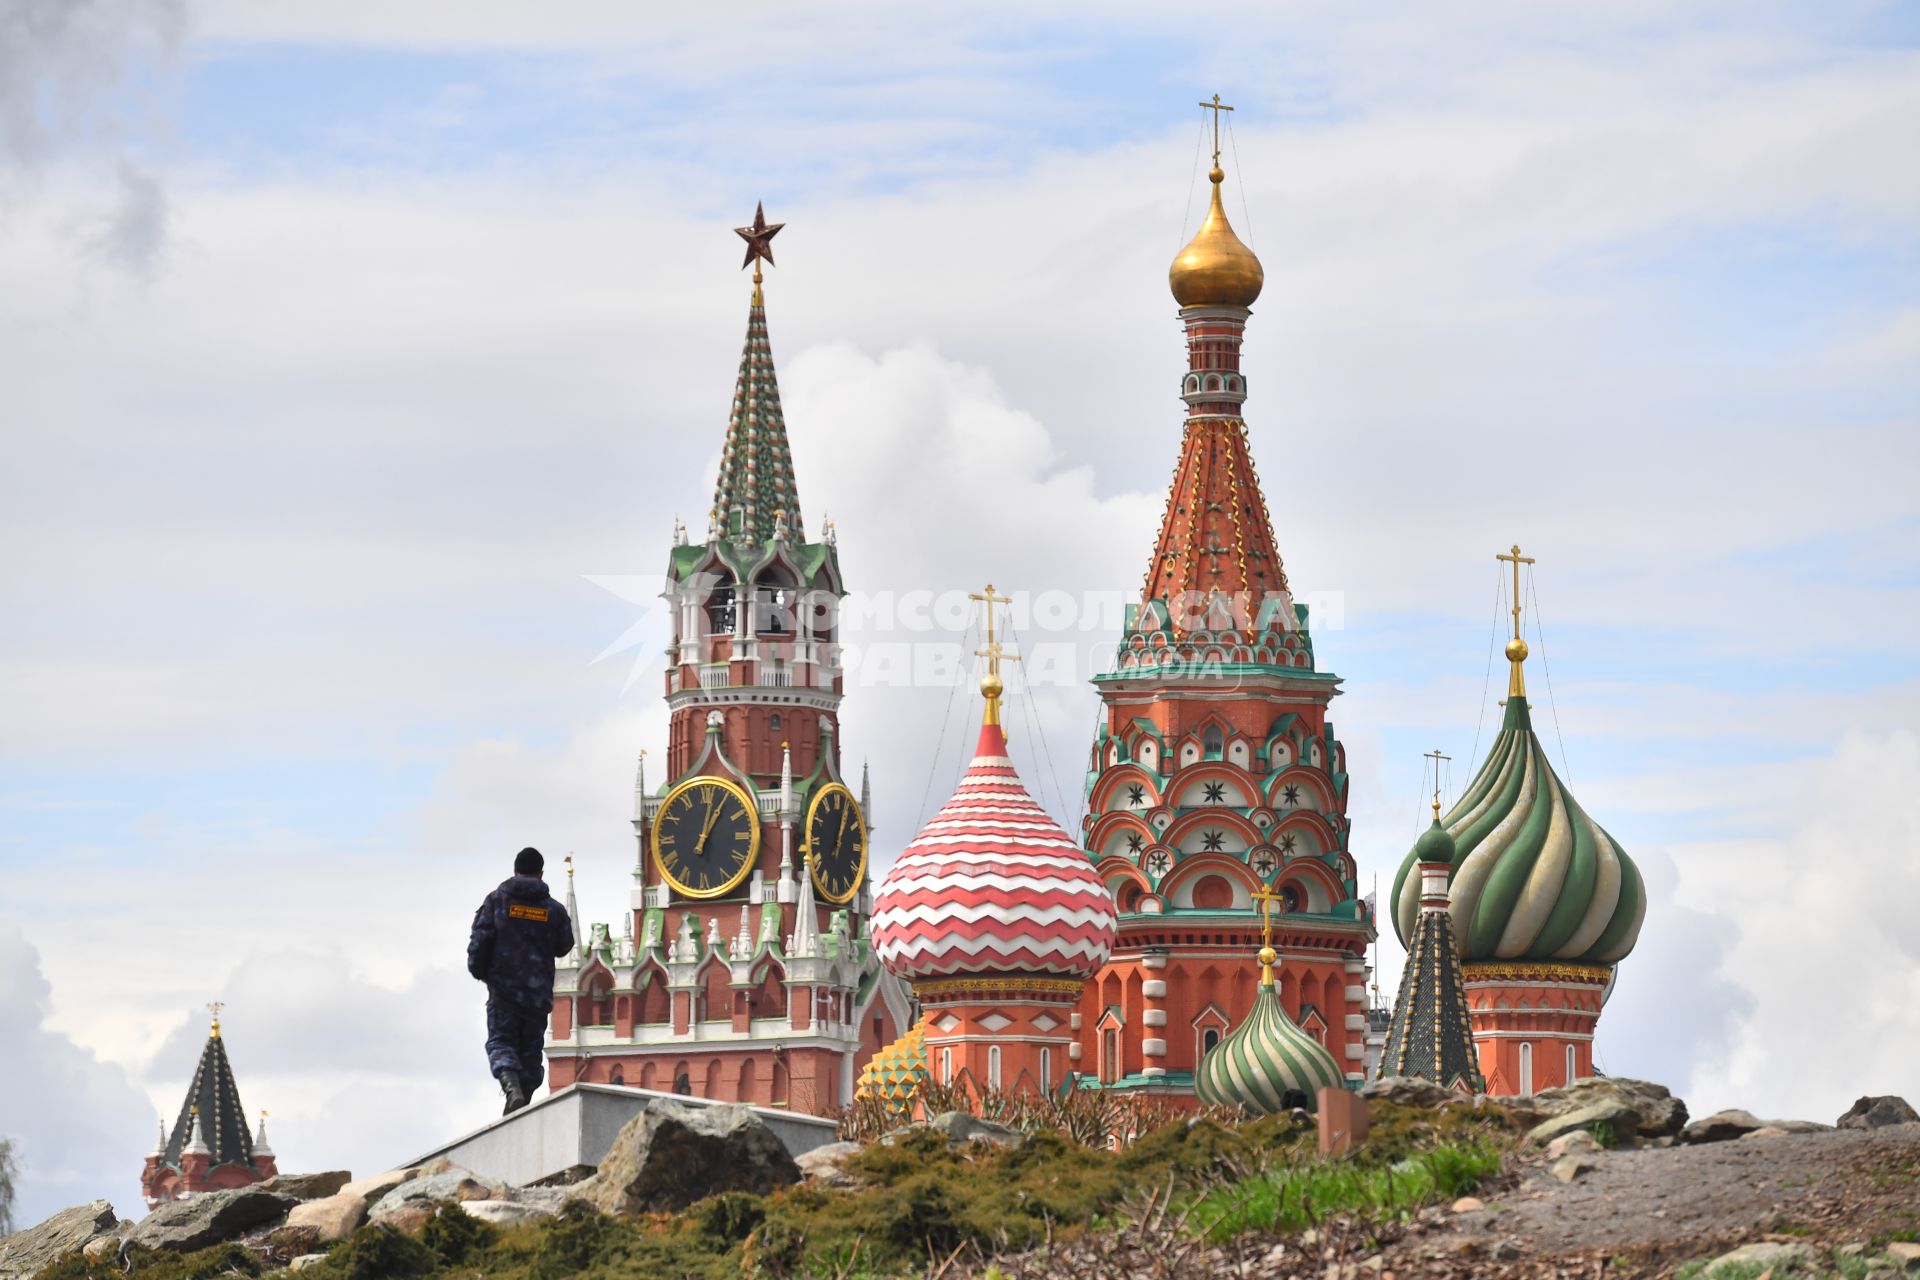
x,y
1720,1126
306,1260
1766,1254
371,1189
1877,1112
448,1184
308,1186
1469,1204
964,1126
1904,1252
25,1252
410,1217
333,1218
828,1164
1800,1126
1612,1115
1578,1143
1657,1112
672,1154
101,1248
1408,1091
196,1222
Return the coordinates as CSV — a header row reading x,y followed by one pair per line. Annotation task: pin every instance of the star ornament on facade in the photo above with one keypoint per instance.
x,y
1216,792
1213,841
759,237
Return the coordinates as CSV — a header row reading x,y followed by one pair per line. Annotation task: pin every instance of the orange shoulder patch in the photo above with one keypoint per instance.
x,y
519,911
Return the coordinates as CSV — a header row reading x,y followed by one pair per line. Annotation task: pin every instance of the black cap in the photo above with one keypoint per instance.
x,y
528,862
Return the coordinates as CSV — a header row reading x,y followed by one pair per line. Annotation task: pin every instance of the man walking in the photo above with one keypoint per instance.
x,y
517,933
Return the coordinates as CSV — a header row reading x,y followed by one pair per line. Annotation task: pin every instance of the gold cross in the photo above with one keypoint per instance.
x,y
214,1007
1266,897
1216,106
569,862
994,652
1517,560
1436,756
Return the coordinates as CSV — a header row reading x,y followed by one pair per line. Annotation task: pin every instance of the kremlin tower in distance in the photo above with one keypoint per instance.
x,y
744,971
1543,903
208,1148
1215,775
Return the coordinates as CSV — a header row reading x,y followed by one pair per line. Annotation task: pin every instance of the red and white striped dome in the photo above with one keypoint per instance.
x,y
993,886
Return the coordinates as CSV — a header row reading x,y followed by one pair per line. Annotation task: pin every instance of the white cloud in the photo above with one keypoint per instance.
x,y
1824,944
78,1121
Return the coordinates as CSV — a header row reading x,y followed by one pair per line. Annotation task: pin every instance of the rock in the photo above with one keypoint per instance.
x,y
1881,1273
964,1126
451,1183
1904,1252
1720,1126
672,1154
1568,1168
1468,1204
1855,1250
1578,1143
1877,1112
308,1186
1800,1126
1764,1131
333,1218
1657,1113
379,1184
1407,1091
508,1213
100,1248
439,1164
195,1223
828,1164
1609,1114
1764,1254
25,1252
306,1260
410,1217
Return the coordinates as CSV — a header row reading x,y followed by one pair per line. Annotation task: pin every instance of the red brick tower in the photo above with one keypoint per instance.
x,y
743,970
1216,773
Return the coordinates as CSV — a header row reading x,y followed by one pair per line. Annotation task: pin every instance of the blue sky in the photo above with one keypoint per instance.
x,y
347,345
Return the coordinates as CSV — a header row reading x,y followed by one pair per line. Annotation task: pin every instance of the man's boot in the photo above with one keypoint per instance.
x,y
510,1085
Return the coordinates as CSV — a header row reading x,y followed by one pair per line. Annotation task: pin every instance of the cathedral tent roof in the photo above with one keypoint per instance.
x,y
756,482
215,1099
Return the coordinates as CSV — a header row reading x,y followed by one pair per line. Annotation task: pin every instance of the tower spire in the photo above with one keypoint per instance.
x,y
756,466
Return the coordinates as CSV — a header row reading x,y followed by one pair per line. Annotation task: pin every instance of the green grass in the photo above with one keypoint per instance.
x,y
1293,1197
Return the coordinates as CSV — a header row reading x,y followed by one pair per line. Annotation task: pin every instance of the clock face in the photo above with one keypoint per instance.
x,y
836,843
706,836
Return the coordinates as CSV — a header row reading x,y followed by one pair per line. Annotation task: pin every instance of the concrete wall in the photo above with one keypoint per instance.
x,y
577,1126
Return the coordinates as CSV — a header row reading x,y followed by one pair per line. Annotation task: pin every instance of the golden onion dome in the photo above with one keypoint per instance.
x,y
1216,269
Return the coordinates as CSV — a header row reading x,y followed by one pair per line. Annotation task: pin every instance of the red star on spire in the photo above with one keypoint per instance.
x,y
759,237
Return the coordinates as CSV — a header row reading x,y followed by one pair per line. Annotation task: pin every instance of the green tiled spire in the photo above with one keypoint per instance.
x,y
756,466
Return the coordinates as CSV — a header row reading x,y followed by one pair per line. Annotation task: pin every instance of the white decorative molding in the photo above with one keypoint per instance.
x,y
1045,1022
1356,1051
1074,1020
1153,1018
1153,1072
996,1022
1153,962
1356,994
1356,1022
947,1023
1154,1048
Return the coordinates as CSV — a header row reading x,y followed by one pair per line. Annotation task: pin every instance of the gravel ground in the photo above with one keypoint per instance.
x,y
1658,1208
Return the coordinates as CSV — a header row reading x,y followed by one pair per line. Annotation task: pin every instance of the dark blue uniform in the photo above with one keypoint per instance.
x,y
517,933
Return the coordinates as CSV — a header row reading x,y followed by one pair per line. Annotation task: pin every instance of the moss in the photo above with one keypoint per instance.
x,y
227,1259
372,1253
455,1235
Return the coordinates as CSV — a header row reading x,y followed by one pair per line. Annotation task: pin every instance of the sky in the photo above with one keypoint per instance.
x,y
356,360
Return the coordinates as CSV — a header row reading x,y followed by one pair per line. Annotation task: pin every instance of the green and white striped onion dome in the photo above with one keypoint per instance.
x,y
1264,1059
1534,878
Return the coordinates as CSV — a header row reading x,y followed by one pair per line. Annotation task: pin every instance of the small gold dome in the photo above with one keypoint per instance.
x,y
1216,269
991,685
1516,650
1268,956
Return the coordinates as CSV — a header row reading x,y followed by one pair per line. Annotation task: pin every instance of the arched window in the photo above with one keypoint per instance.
x,y
775,604
1573,1064
618,1075
1046,1071
1209,1041
1526,1069
993,1066
1110,1056
1213,742
683,1084
720,611
774,724
946,1066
